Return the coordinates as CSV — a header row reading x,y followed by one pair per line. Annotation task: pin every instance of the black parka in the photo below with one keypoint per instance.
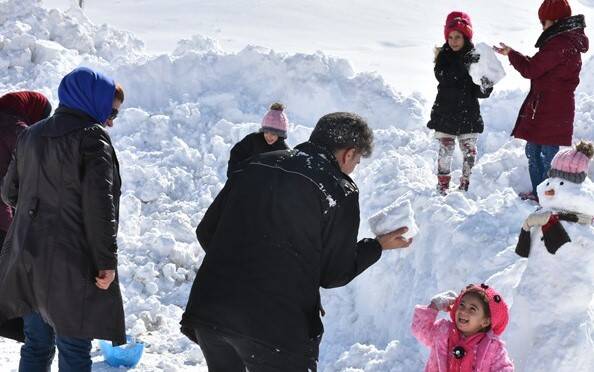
x,y
282,227
251,145
65,185
456,109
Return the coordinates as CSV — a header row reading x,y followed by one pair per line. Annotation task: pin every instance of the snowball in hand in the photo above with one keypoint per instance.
x,y
398,214
488,71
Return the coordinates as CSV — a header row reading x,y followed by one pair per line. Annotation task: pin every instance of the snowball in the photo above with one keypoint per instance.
x,y
398,214
487,68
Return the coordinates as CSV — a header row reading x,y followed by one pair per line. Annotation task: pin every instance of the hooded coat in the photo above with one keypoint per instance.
x,y
65,185
490,352
547,114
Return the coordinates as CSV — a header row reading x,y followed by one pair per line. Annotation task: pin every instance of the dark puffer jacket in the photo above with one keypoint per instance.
x,y
283,226
251,145
456,109
547,114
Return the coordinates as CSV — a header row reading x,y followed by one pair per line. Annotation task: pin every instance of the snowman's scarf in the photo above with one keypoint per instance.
x,y
553,233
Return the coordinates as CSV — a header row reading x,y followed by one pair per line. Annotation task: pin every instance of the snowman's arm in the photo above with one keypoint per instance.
x,y
580,218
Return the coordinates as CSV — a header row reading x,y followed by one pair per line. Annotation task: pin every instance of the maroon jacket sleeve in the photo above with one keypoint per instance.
x,y
545,60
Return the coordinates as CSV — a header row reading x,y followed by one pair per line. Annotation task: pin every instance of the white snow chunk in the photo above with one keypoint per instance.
x,y
398,214
488,67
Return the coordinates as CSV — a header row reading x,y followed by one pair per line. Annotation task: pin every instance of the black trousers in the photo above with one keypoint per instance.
x,y
232,353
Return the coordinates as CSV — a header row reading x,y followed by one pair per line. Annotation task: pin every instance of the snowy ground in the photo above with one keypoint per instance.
x,y
185,109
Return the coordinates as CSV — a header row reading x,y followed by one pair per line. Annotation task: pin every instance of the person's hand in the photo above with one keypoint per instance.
x,y
443,301
394,239
536,219
503,49
486,82
104,278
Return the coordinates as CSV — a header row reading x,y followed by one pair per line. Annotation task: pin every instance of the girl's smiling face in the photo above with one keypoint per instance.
x,y
456,40
470,315
270,137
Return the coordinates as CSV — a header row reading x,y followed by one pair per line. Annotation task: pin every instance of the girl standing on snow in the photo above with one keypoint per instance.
x,y
271,137
468,342
546,117
456,111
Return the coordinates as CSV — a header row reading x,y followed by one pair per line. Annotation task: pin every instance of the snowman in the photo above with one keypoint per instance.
x,y
567,195
552,314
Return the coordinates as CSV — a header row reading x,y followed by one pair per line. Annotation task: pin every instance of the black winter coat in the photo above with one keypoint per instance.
x,y
65,185
281,228
251,145
456,109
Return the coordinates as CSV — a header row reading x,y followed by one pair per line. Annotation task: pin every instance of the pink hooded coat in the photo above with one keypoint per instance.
x,y
491,355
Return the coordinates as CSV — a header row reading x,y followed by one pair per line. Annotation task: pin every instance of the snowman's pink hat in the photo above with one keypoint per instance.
x,y
572,164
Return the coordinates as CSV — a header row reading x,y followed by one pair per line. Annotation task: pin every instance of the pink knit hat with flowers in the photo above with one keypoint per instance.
x,y
497,307
572,164
458,21
275,120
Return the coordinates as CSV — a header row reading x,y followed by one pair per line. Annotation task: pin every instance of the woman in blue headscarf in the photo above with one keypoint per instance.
x,y
58,269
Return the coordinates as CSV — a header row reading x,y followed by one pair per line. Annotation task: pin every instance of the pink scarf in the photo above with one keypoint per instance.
x,y
462,350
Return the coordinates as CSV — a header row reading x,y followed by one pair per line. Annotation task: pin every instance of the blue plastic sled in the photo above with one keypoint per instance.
x,y
124,355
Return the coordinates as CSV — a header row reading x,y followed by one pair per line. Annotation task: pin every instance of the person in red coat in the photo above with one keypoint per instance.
x,y
546,117
18,110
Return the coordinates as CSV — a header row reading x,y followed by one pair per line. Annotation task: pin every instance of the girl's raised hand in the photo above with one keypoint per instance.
x,y
443,301
503,49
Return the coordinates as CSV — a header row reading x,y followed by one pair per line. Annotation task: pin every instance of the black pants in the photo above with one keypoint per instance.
x,y
230,353
2,237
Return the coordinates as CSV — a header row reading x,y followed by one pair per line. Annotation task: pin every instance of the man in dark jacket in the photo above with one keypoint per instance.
x,y
58,264
283,226
546,117
18,110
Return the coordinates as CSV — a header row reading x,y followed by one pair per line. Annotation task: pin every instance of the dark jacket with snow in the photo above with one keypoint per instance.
x,y
281,228
17,111
456,109
251,145
546,116
65,185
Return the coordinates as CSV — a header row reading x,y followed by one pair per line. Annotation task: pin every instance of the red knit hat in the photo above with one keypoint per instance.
x,y
497,307
553,10
458,21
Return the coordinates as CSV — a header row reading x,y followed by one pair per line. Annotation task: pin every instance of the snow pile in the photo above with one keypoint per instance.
x,y
396,215
488,71
182,114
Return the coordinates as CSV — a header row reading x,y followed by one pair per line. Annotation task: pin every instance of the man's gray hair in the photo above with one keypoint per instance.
x,y
343,130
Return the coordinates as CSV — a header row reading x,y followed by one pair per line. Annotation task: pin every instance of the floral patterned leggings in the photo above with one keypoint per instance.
x,y
446,152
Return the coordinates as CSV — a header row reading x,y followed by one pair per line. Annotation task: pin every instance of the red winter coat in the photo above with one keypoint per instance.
x,y
546,116
17,111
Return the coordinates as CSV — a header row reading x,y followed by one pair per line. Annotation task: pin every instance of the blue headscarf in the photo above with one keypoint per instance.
x,y
89,91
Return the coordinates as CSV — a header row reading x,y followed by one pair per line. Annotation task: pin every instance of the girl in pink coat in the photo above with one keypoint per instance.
x,y
468,342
